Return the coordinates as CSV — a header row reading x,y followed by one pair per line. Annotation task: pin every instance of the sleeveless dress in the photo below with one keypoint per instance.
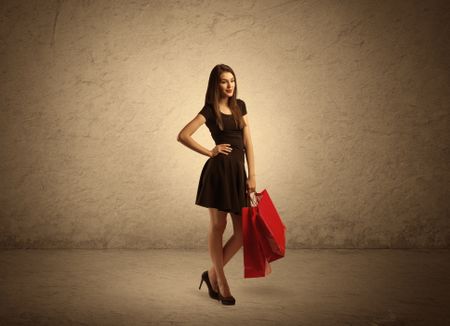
x,y
222,183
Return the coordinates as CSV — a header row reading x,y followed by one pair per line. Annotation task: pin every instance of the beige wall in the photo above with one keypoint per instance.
x,y
348,103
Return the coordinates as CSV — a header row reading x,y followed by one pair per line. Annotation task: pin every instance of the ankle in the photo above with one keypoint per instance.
x,y
212,275
224,289
213,279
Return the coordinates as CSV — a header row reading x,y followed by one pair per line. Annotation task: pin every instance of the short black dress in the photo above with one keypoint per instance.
x,y
222,183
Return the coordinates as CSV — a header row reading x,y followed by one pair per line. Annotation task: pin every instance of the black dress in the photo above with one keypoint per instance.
x,y
222,183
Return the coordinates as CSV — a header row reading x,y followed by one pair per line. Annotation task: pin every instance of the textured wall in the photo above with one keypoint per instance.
x,y
348,104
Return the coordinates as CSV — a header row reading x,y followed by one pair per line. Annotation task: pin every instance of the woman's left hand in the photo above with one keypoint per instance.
x,y
251,184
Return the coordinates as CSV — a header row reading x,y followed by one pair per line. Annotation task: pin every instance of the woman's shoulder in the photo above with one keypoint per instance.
x,y
206,111
242,106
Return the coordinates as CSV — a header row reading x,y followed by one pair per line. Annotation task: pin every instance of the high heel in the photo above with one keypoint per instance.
x,y
213,294
226,300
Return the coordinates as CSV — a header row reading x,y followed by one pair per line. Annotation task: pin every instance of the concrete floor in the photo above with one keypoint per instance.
x,y
160,287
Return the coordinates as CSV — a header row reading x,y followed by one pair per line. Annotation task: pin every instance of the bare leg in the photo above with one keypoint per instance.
x,y
231,247
217,226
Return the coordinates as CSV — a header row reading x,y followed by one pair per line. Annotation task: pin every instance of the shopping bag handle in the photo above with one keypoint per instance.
x,y
254,198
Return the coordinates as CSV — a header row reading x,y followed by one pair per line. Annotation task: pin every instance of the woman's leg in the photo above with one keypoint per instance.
x,y
231,247
217,225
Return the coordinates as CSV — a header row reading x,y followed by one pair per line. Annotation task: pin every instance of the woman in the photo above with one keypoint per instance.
x,y
223,186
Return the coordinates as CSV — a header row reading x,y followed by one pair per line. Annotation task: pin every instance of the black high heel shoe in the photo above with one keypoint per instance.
x,y
226,300
213,294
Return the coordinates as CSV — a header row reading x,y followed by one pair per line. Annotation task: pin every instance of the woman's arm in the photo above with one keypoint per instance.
x,y
251,181
184,136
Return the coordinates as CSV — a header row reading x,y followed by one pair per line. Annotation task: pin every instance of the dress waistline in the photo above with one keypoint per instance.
x,y
239,148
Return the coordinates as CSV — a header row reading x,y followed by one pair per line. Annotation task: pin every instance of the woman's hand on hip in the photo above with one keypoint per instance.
x,y
221,148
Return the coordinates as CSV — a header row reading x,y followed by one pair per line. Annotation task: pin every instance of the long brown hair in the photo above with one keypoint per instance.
x,y
213,95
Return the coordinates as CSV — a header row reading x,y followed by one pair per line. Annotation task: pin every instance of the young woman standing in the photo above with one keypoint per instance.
x,y
223,186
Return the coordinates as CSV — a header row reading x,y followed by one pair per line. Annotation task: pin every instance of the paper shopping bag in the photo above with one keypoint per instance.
x,y
255,263
271,230
263,236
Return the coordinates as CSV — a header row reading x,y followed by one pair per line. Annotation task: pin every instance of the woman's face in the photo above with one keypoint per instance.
x,y
226,84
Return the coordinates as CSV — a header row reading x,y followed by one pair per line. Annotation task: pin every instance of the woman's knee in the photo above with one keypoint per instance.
x,y
218,220
237,225
218,227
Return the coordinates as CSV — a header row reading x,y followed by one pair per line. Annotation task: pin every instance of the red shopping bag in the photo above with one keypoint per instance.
x,y
255,263
263,235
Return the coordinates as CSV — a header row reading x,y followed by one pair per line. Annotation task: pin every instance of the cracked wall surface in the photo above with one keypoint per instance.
x,y
348,103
